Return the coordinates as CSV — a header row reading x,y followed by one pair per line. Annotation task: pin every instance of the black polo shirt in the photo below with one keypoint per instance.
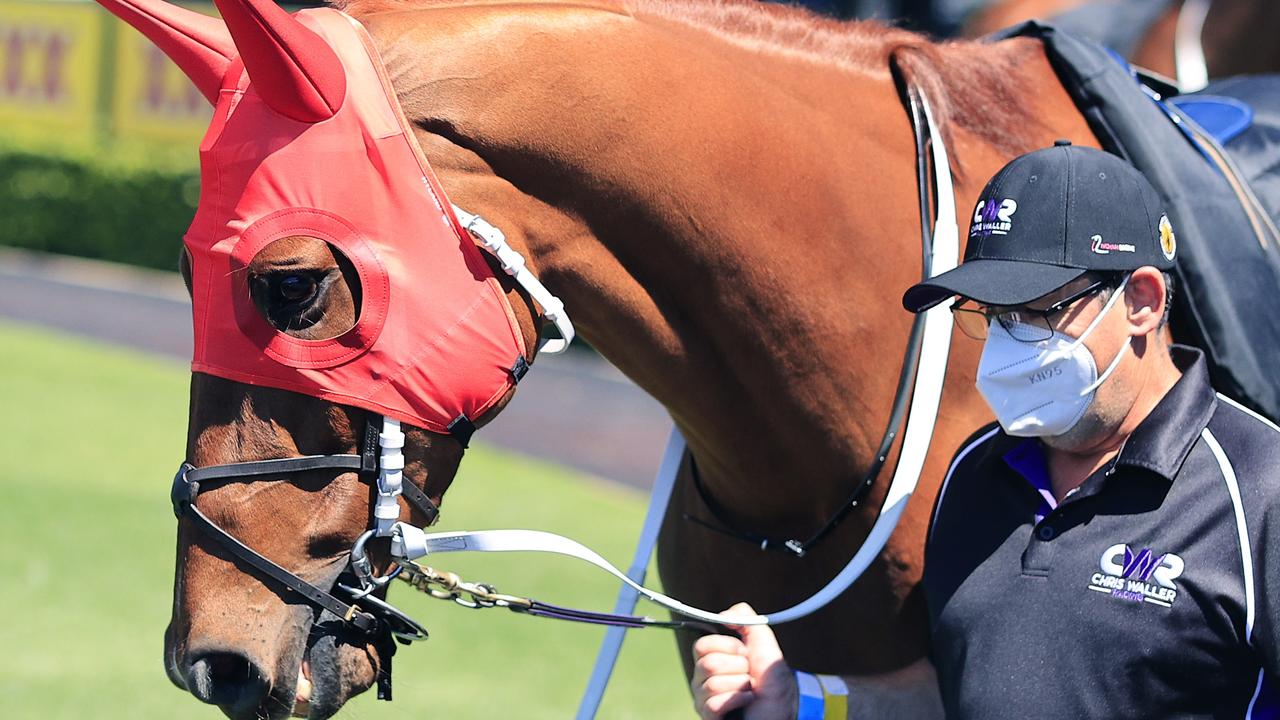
x,y
1151,591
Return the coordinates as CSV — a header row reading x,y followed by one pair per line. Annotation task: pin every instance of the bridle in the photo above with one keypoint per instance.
x,y
381,463
366,615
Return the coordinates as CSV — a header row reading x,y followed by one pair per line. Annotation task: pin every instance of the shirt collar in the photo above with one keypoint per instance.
x,y
1164,437
1160,442
1027,459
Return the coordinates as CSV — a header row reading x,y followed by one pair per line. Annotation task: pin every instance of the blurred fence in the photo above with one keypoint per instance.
x,y
70,70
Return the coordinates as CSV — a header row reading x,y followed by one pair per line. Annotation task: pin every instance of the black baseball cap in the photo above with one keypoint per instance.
x,y
1049,217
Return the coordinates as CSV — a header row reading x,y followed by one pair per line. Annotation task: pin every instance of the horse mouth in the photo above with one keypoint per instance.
x,y
302,692
334,666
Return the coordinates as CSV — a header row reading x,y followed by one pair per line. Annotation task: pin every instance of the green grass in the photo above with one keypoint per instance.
x,y
88,441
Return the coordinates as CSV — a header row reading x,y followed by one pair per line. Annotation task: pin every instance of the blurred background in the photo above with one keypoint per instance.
x,y
98,181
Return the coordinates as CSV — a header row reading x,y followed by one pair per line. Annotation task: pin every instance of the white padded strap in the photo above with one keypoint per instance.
x,y
513,264
386,508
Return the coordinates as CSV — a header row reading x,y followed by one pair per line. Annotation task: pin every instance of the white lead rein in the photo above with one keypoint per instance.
x,y
410,543
625,604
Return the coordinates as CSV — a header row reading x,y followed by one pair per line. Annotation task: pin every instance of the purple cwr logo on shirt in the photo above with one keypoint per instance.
x,y
1138,576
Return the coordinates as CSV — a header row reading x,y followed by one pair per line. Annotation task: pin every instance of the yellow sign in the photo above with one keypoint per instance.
x,y
153,99
49,56
71,70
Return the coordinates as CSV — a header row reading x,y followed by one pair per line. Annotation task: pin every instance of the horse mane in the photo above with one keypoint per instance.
x,y
970,85
964,80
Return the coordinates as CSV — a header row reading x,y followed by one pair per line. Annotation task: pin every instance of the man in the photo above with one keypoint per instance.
x,y
1105,549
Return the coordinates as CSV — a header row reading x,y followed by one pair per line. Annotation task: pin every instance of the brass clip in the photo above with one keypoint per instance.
x,y
351,612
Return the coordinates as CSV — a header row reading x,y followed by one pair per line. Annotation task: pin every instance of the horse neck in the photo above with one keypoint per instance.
x,y
732,228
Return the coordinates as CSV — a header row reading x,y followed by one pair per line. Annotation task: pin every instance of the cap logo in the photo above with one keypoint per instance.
x,y
1168,241
1102,247
990,218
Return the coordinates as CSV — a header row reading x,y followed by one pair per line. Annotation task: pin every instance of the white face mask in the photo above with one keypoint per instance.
x,y
1042,389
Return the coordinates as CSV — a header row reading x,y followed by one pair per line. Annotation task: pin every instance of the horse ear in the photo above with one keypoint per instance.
x,y
198,44
294,70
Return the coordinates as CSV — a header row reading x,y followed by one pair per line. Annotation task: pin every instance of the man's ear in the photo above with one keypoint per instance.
x,y
1144,297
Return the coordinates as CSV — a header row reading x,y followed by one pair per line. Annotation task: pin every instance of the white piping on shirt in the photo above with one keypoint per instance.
x,y
955,464
1246,552
1257,692
1249,412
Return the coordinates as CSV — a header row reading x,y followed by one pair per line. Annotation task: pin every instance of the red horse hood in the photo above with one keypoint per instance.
x,y
435,337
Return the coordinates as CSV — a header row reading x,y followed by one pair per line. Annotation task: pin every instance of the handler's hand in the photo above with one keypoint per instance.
x,y
750,673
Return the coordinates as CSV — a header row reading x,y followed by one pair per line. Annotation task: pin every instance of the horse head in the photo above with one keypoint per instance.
x,y
316,209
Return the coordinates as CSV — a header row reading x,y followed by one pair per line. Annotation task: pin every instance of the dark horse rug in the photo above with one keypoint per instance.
x,y
1213,157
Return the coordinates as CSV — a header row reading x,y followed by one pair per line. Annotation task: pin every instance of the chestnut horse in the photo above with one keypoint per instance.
x,y
1236,37
724,195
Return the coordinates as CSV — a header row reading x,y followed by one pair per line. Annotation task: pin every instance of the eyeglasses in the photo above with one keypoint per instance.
x,y
1022,323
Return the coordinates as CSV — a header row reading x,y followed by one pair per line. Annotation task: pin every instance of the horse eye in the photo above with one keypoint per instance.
x,y
296,288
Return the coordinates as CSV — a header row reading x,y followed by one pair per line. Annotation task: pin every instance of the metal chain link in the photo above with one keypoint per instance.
x,y
449,586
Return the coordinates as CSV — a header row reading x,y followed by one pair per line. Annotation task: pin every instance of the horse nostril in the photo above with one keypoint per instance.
x,y
229,680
